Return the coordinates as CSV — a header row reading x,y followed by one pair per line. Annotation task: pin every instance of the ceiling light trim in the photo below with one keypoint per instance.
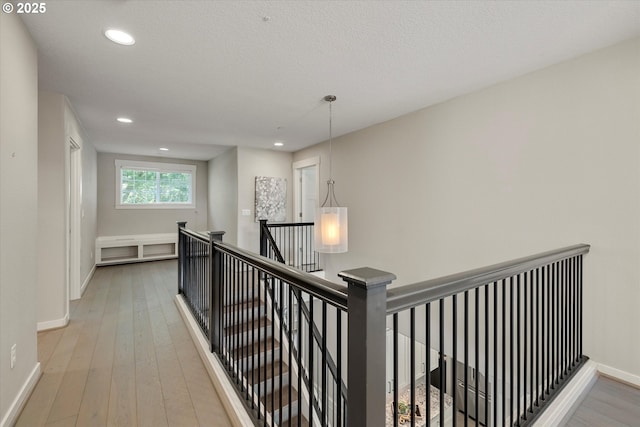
x,y
119,37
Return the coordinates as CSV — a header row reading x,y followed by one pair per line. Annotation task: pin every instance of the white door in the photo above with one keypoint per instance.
x,y
305,176
308,194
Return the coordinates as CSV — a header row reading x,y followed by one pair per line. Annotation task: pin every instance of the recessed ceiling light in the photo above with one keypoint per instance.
x,y
124,120
278,144
120,37
164,149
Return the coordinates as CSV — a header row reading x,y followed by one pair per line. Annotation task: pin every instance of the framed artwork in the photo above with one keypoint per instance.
x,y
271,199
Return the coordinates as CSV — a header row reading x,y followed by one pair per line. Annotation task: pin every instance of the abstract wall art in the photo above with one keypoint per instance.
x,y
271,198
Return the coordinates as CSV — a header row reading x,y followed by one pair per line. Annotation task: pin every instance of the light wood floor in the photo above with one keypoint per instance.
x,y
125,359
608,404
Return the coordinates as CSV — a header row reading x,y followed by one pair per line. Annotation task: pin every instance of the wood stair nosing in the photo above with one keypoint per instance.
x,y
237,314
293,422
251,335
251,351
240,336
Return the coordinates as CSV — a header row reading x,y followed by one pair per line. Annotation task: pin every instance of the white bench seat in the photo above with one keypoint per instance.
x,y
136,248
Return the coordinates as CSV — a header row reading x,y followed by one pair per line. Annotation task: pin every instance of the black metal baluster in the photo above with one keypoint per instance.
x,y
312,398
427,377
547,306
538,333
487,391
395,370
518,356
272,295
248,317
580,272
532,331
441,362
281,329
511,364
504,353
555,328
339,367
466,359
523,414
454,368
412,370
253,337
290,341
299,356
561,322
325,419
476,343
577,310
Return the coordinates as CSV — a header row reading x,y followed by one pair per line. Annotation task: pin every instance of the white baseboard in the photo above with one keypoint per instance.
x,y
625,377
571,395
87,280
53,324
18,403
232,404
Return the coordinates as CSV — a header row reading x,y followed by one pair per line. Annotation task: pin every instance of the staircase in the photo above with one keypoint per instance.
x,y
262,359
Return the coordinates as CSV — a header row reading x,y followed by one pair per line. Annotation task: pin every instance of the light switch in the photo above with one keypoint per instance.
x,y
246,212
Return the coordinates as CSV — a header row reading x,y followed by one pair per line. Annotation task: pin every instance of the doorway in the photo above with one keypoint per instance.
x,y
306,177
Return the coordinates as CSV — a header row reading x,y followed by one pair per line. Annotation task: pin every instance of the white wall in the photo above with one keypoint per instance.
x,y
116,222
89,215
88,190
252,163
57,123
18,213
223,195
535,163
52,210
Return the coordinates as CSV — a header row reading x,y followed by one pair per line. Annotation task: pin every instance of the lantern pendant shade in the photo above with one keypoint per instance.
x,y
331,229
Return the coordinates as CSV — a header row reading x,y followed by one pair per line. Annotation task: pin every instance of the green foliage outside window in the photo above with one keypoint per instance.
x,y
152,187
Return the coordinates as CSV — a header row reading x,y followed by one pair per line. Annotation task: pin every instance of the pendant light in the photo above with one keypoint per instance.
x,y
330,230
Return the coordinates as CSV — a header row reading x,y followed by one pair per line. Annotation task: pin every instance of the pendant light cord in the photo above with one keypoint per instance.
x,y
331,197
330,141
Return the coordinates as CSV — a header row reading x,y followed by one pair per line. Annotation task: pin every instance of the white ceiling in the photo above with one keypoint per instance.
x,y
206,75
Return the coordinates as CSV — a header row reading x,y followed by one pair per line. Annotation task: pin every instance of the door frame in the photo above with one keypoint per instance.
x,y
297,200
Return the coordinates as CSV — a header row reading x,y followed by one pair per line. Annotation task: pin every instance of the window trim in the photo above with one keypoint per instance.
x,y
159,167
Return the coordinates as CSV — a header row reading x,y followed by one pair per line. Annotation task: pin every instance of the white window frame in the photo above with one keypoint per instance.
x,y
158,167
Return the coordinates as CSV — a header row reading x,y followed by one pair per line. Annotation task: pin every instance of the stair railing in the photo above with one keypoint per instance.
x,y
506,338
294,242
269,248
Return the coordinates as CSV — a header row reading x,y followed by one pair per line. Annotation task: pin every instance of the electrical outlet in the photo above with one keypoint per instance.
x,y
13,356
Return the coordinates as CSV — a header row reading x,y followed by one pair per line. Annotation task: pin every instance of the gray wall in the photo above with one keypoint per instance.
x,y
52,209
223,195
535,163
89,215
252,163
116,222
56,125
18,211
232,189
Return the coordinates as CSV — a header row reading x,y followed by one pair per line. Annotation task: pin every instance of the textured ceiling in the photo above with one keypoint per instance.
x,y
205,75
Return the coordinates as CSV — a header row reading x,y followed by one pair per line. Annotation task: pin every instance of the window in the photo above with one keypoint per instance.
x,y
154,185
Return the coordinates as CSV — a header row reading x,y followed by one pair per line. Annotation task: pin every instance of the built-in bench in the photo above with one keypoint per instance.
x,y
136,248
